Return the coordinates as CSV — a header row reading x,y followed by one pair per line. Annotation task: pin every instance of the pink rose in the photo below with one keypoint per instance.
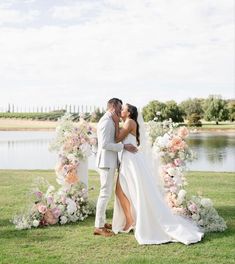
x,y
38,194
41,208
83,140
50,199
63,199
193,207
173,189
93,141
56,212
177,162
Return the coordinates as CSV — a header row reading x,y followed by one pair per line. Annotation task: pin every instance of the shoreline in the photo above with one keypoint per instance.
x,y
94,171
51,129
8,124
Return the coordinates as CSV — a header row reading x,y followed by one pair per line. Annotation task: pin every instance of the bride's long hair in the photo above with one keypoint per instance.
x,y
134,115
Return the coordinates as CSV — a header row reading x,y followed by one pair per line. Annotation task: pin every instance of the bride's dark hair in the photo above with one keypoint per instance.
x,y
134,115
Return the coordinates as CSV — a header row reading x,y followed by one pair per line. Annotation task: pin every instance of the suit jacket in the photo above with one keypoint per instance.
x,y
107,154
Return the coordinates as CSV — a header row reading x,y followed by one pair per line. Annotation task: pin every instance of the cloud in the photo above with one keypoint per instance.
x,y
79,10
119,46
12,16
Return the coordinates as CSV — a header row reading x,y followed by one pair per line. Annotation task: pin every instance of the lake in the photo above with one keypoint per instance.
x,y
29,150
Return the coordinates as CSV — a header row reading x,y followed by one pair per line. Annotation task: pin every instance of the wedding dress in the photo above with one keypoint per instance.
x,y
155,223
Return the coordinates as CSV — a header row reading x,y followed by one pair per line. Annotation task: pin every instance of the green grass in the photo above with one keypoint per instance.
x,y
225,126
75,243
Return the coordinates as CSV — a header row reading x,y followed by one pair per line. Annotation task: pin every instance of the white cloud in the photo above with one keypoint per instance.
x,y
155,47
13,16
77,10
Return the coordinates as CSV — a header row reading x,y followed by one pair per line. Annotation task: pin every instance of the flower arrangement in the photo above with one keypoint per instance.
x,y
51,207
170,143
74,143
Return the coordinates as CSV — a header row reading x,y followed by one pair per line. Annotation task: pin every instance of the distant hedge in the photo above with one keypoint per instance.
x,y
53,116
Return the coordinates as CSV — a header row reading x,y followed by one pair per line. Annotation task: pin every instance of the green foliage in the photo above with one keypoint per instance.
x,y
194,120
54,115
192,106
216,109
231,109
151,109
173,111
75,243
96,115
156,110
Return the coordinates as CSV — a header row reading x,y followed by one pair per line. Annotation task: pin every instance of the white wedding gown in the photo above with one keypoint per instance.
x,y
154,221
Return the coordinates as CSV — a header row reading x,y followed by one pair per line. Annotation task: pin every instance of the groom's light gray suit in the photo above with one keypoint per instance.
x,y
107,161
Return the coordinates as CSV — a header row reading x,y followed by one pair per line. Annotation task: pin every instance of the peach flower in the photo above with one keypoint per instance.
x,y
183,132
50,218
71,177
176,143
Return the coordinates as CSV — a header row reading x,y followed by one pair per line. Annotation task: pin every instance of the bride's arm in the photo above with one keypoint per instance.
x,y
121,133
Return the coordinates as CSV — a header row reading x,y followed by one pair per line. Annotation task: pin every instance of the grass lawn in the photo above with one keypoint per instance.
x,y
75,243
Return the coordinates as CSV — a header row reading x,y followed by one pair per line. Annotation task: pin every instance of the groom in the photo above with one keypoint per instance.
x,y
107,163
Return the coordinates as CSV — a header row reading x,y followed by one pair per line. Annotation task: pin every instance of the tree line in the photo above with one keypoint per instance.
x,y
192,110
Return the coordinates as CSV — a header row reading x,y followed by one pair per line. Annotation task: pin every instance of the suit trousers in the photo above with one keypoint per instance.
x,y
106,187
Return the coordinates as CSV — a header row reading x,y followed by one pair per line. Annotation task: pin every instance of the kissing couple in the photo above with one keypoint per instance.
x,y
139,204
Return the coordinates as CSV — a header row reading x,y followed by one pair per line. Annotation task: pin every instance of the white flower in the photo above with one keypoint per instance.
x,y
181,195
61,207
86,149
195,217
22,223
71,157
205,202
181,155
63,220
201,222
171,171
178,179
73,218
36,223
50,190
163,141
71,208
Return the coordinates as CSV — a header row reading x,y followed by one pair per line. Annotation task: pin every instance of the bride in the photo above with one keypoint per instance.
x,y
139,204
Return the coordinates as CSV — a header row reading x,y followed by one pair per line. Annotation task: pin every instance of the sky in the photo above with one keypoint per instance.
x,y
57,52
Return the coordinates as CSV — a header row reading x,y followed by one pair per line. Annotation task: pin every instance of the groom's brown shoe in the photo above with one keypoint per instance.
x,y
108,226
103,232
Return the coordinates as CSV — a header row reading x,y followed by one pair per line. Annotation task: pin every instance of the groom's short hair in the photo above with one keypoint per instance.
x,y
114,101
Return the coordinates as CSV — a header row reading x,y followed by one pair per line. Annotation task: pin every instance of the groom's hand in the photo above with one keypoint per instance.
x,y
130,148
115,117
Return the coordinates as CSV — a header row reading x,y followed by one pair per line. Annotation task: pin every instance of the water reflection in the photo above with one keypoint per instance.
x,y
29,150
214,151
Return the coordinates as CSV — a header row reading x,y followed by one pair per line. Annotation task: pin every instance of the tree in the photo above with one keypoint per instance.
x,y
173,111
154,109
216,109
96,115
231,109
192,106
159,111
194,120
